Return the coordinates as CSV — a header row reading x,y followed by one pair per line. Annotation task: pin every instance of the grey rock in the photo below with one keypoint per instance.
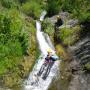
x,y
72,22
81,79
64,15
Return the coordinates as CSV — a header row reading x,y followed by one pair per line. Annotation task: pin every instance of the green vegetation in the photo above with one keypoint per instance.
x,y
48,27
32,8
18,46
52,7
70,35
78,8
11,33
87,67
8,3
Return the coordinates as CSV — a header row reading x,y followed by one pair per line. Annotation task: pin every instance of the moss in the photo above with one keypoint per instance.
x,y
48,28
70,35
61,52
87,66
65,76
11,79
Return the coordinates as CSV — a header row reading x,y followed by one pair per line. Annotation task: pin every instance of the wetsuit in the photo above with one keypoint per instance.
x,y
50,59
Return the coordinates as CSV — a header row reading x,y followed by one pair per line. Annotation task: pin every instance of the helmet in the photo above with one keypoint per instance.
x,y
58,17
49,50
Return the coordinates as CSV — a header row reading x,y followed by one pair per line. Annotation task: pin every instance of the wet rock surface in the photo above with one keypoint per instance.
x,y
81,51
80,82
80,76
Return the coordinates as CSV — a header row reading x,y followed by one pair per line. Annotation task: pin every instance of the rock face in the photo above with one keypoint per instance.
x,y
72,22
81,51
80,82
74,71
81,55
64,16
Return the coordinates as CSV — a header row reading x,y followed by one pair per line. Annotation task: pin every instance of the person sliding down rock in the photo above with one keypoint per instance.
x,y
50,56
49,61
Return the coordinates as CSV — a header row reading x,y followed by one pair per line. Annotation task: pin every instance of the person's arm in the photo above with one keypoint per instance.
x,y
46,58
54,57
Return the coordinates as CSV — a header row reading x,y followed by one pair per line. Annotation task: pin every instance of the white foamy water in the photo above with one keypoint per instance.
x,y
39,83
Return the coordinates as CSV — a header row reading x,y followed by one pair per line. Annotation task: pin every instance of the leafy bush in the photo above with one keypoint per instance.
x,y
69,35
80,9
48,27
8,3
32,9
52,7
13,39
22,1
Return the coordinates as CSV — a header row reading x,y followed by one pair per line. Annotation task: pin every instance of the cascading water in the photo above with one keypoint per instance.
x,y
41,39
49,41
39,83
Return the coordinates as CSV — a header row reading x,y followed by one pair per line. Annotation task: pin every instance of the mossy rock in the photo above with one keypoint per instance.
x,y
87,66
70,35
12,79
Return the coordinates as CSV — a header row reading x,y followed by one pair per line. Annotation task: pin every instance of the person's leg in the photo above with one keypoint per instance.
x,y
48,70
51,64
42,69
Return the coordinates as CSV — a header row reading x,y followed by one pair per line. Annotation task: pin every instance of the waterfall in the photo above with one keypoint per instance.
x,y
41,39
43,45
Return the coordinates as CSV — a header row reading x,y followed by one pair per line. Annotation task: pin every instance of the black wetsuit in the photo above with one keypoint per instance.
x,y
58,23
56,28
49,58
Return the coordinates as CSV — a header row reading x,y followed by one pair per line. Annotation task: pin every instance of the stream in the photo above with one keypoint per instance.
x,y
44,45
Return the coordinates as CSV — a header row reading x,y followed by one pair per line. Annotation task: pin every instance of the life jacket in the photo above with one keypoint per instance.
x,y
53,58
